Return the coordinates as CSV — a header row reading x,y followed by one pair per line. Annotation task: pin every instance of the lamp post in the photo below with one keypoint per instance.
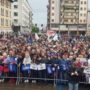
x,y
41,27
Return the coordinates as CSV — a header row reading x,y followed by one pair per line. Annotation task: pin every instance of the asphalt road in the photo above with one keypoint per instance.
x,y
36,87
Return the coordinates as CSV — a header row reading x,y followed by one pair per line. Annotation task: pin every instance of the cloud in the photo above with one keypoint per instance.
x,y
39,11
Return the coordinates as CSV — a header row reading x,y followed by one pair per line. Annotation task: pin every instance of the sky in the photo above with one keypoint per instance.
x,y
89,4
39,9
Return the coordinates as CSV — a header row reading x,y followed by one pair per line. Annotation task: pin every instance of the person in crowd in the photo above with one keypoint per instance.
x,y
26,68
73,78
1,67
12,59
24,50
5,65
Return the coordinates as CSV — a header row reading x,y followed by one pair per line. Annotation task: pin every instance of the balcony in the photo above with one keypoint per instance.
x,y
70,4
62,3
11,0
70,23
71,7
77,4
77,11
69,11
69,16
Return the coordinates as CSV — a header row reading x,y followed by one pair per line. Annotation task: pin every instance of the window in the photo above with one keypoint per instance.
x,y
52,1
61,14
81,2
84,8
80,20
66,1
84,20
85,2
10,14
15,6
53,8
89,25
6,22
15,14
15,0
72,2
54,25
52,20
2,12
65,20
9,23
7,3
15,21
2,22
81,8
84,14
52,14
7,13
80,14
71,20
2,2
71,14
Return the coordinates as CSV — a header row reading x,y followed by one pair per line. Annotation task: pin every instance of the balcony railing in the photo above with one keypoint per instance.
x,y
11,0
70,4
69,10
69,16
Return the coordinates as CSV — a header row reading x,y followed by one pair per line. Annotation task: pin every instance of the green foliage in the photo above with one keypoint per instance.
x,y
35,29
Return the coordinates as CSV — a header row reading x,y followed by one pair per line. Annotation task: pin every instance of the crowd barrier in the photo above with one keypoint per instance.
x,y
39,72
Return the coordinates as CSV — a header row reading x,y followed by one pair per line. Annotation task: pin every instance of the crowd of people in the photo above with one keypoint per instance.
x,y
25,56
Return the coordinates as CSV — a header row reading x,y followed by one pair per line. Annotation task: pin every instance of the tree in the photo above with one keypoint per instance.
x,y
35,29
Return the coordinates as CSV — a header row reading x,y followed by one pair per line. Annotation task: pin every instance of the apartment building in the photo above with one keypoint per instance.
x,y
5,15
21,16
53,14
88,24
67,16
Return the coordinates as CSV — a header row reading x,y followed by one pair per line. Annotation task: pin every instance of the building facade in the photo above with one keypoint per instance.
x,y
5,15
71,16
53,14
21,16
88,24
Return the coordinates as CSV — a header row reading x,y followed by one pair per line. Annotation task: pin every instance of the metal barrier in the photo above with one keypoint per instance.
x,y
56,76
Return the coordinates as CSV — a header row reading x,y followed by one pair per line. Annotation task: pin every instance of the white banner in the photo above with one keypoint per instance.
x,y
41,67
33,66
87,70
89,80
38,67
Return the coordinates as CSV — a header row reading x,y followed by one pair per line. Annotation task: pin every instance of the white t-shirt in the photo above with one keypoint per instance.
x,y
27,60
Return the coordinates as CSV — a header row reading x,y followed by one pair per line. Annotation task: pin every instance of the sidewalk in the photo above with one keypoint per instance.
x,y
36,87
